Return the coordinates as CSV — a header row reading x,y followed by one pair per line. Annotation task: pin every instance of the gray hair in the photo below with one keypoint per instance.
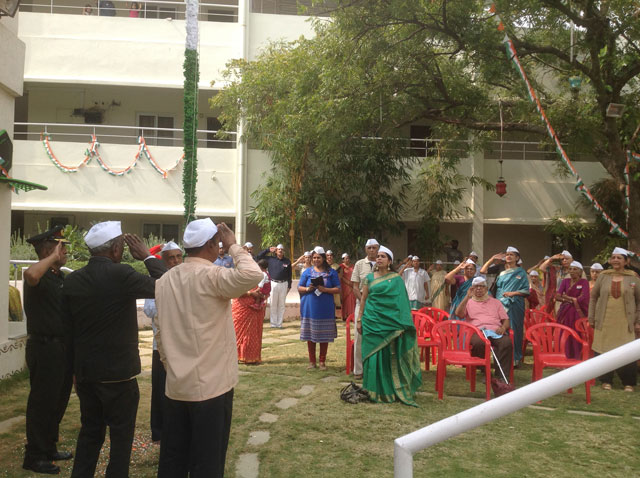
x,y
105,247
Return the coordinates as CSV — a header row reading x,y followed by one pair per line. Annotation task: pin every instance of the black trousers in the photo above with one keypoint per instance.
x,y
158,381
195,436
106,404
628,374
503,349
50,379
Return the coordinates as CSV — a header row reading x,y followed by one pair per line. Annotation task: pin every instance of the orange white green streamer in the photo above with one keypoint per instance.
x,y
44,137
144,149
92,152
614,227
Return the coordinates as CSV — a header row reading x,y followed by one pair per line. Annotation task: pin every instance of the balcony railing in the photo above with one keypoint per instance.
x,y
160,9
82,133
420,147
212,12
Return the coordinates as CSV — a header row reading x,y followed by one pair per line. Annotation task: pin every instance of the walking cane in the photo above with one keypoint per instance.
x,y
498,389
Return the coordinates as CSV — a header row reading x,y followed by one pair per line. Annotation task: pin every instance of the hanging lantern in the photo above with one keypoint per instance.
x,y
501,185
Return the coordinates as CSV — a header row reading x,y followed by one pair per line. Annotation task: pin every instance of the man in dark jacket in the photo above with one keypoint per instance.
x,y
49,372
99,301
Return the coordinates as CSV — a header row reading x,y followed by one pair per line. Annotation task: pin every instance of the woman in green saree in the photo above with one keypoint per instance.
x,y
391,360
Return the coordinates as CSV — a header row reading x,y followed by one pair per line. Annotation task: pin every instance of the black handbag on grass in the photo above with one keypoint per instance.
x,y
353,393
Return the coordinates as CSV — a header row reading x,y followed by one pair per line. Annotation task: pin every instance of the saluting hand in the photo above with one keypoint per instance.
x,y
59,253
226,236
136,247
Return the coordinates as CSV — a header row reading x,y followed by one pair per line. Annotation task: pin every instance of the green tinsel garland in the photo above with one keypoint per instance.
x,y
190,171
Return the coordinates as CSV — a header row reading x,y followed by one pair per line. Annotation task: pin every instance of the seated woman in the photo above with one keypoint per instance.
x,y
317,286
614,313
573,296
391,360
248,317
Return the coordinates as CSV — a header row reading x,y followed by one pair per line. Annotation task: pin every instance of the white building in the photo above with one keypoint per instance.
x,y
119,77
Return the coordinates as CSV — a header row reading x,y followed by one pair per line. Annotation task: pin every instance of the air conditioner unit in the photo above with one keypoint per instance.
x,y
93,116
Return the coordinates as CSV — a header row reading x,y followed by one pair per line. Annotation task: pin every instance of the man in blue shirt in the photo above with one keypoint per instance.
x,y
279,268
224,259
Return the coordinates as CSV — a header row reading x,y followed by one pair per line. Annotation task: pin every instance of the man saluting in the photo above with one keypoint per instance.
x,y
101,324
49,373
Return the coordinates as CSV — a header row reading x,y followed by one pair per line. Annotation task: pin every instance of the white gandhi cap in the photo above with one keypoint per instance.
x,y
198,232
386,251
170,246
101,233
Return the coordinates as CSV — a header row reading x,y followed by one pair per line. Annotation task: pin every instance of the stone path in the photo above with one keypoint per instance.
x,y
248,464
6,425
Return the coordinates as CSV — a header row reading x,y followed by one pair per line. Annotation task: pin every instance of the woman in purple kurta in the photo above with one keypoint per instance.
x,y
573,294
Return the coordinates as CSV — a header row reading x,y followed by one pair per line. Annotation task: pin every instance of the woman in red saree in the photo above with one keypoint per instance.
x,y
248,318
347,297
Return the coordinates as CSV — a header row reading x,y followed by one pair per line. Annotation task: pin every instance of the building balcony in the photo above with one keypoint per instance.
x,y
122,175
67,48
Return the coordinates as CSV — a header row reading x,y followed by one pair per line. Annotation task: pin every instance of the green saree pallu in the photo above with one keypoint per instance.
x,y
391,360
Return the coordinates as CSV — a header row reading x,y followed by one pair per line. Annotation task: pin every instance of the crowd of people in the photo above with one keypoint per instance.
x,y
207,304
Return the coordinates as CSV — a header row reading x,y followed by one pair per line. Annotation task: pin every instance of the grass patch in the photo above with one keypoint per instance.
x,y
329,438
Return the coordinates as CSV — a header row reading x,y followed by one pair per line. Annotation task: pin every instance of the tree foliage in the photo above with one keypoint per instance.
x,y
446,64
380,65
329,180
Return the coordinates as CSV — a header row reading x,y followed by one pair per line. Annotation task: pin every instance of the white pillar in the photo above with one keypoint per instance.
x,y
477,205
12,52
241,147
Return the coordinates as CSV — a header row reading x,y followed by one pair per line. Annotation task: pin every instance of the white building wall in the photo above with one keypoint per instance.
x,y
534,191
264,28
121,51
74,49
142,191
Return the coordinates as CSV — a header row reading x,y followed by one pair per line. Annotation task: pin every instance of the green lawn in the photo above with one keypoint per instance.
x,y
325,437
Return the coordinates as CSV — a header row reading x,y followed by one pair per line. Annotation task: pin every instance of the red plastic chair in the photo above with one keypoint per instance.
x,y
531,318
549,340
454,337
350,320
428,346
585,331
438,315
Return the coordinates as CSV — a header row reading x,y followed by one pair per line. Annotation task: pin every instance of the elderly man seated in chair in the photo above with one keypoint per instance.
x,y
486,313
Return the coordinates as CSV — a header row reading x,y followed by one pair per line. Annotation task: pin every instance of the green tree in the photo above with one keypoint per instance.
x,y
381,65
444,61
329,181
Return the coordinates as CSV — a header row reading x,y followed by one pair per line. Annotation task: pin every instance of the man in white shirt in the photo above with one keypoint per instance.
x,y
361,269
416,280
197,346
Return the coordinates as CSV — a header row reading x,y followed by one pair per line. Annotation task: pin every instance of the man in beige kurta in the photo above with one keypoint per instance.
x,y
197,346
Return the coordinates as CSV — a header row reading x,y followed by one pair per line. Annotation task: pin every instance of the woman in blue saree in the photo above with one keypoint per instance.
x,y
390,356
512,288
